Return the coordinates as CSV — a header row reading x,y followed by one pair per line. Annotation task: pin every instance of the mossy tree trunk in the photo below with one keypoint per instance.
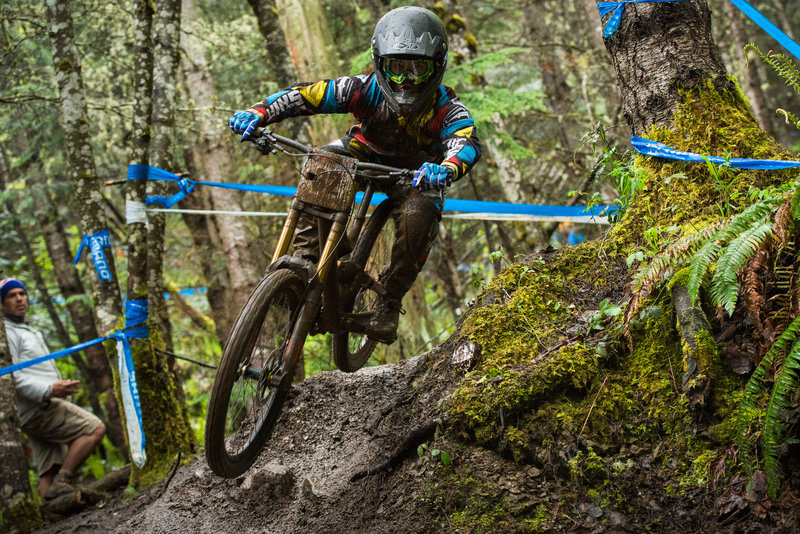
x,y
108,316
164,413
554,372
75,123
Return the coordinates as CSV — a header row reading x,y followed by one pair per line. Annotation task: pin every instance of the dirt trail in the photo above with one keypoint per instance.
x,y
333,426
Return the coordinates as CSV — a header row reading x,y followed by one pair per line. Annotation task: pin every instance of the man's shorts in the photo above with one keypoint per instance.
x,y
51,430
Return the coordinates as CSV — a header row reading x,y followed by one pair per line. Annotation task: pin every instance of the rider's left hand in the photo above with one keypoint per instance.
x,y
433,176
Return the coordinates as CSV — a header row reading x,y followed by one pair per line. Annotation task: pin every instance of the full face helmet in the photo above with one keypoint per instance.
x,y
409,45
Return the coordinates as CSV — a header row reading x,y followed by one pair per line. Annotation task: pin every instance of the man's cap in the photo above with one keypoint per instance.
x,y
7,284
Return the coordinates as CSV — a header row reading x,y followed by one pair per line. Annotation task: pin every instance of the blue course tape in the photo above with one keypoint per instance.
x,y
96,243
52,356
654,148
774,32
451,204
138,172
617,8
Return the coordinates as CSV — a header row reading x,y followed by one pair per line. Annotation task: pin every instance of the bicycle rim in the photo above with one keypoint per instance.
x,y
253,377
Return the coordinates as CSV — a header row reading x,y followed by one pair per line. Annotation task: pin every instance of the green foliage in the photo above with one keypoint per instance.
x,y
488,101
773,412
606,310
735,240
723,184
617,168
786,69
436,454
728,245
725,284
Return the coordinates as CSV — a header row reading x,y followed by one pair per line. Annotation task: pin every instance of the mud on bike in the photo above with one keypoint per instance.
x,y
297,297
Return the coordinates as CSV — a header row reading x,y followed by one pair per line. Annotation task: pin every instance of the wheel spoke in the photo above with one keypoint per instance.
x,y
248,391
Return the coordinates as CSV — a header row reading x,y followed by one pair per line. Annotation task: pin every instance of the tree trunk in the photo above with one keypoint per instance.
x,y
659,49
166,420
313,53
17,507
106,295
211,153
75,123
267,17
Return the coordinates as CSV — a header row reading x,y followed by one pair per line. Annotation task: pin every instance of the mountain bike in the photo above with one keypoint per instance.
x,y
298,297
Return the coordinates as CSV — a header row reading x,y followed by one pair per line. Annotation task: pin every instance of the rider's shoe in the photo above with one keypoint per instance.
x,y
383,324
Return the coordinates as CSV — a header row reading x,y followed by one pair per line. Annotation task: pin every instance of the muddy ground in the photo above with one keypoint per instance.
x,y
338,425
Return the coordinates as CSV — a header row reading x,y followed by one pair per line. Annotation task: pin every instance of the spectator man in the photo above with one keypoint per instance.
x,y
62,435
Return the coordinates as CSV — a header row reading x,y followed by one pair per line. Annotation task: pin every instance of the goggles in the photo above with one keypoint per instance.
x,y
415,70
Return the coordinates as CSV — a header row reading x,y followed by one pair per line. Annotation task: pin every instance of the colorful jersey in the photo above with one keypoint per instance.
x,y
444,135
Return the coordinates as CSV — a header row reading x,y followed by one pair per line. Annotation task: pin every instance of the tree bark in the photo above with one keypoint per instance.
x,y
658,50
313,54
17,507
77,138
75,123
267,17
166,419
211,154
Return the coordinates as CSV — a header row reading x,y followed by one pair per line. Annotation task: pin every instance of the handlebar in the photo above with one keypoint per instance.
x,y
268,142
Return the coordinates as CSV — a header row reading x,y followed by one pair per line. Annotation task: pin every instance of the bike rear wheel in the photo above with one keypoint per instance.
x,y
253,376
372,252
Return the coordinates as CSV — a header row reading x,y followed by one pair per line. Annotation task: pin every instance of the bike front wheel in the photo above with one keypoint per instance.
x,y
254,375
372,252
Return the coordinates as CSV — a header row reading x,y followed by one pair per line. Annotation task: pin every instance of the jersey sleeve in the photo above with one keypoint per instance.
x,y
338,95
458,136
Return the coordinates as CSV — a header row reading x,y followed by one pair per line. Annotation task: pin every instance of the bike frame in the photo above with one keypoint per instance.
x,y
326,193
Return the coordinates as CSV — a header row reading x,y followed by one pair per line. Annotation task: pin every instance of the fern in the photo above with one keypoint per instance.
x,y
786,69
776,420
783,65
755,388
700,263
725,284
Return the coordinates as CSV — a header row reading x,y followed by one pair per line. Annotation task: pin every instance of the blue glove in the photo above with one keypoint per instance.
x,y
244,122
433,176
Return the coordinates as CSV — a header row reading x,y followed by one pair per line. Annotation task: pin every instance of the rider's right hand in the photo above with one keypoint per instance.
x,y
245,123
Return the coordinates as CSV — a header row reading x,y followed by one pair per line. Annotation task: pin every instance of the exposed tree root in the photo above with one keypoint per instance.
x,y
416,436
698,354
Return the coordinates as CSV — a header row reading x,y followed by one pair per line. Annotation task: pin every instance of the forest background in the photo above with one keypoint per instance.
x,y
534,74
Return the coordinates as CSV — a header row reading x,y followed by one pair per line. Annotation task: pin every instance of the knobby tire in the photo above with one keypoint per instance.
x,y
351,350
254,375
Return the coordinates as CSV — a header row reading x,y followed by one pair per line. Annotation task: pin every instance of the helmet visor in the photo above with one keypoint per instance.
x,y
415,70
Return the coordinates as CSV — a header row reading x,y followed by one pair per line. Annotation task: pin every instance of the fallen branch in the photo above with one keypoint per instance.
x,y
72,503
113,480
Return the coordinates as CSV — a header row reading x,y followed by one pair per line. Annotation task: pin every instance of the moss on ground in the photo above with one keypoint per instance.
x,y
549,392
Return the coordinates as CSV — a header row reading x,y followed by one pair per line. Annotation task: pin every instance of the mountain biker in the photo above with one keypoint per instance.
x,y
406,118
